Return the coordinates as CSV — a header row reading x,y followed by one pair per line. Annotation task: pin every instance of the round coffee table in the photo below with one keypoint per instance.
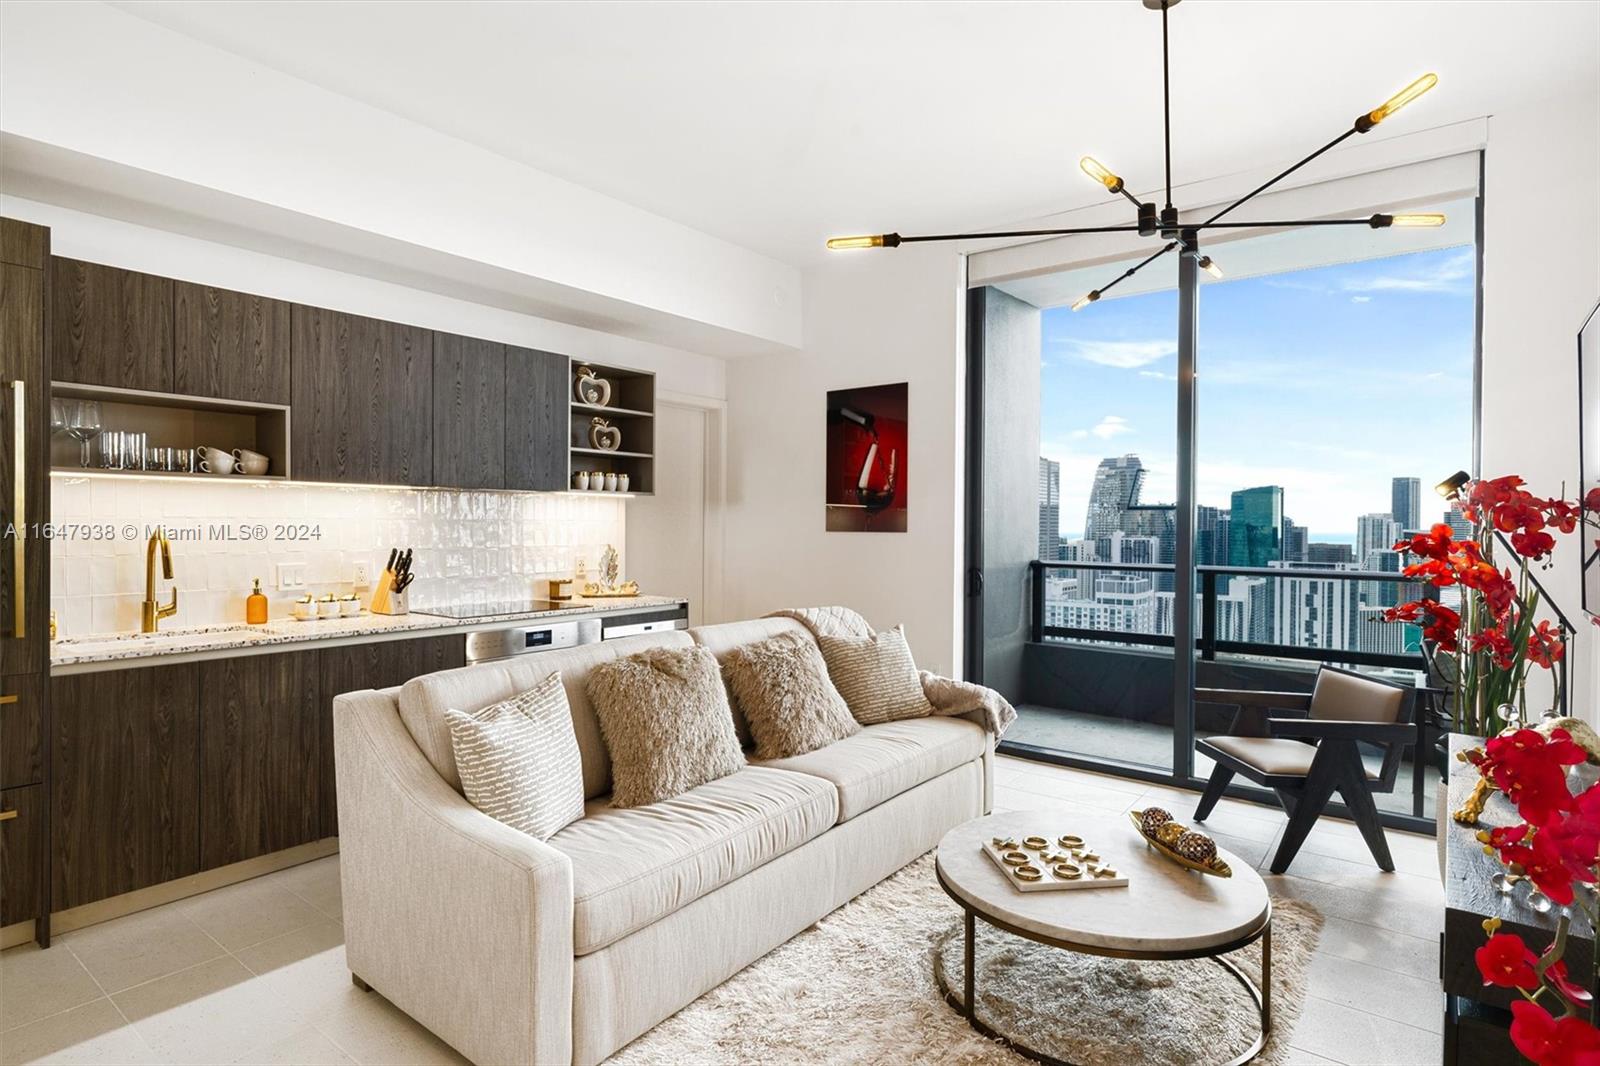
x,y
1164,912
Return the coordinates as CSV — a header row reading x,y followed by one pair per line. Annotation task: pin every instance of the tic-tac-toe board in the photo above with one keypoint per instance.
x,y
1048,864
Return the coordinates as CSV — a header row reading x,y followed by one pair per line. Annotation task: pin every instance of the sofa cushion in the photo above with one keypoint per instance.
x,y
665,717
781,687
423,700
882,761
519,761
634,865
726,637
876,676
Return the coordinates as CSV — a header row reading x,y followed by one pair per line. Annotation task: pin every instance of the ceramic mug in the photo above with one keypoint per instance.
x,y
580,480
252,463
213,461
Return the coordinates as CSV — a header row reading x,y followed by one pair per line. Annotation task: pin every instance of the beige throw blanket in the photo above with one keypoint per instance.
x,y
949,697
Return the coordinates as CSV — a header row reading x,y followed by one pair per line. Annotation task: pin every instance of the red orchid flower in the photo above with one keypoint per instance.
x,y
1505,961
1530,769
1437,543
1546,1041
1545,646
1496,643
1591,501
1572,991
1562,515
1532,544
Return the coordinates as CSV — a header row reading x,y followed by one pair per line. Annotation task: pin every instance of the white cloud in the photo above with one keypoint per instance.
x,y
1445,275
1123,355
1360,299
1157,374
1111,426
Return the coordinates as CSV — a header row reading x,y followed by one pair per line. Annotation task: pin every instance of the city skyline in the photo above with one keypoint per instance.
x,y
1321,381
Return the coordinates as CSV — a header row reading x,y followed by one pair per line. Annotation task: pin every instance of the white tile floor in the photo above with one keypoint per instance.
x,y
255,973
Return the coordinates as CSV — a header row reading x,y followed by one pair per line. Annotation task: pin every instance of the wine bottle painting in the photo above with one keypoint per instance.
x,y
867,459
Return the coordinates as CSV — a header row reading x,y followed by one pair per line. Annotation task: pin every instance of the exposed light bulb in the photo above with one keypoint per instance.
x,y
1433,218
1086,299
873,240
1402,98
1205,263
1450,488
1097,170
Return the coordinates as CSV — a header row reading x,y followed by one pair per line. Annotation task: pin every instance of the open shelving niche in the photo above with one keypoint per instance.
x,y
176,421
632,411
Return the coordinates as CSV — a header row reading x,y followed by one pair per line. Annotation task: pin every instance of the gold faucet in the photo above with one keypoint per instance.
x,y
151,613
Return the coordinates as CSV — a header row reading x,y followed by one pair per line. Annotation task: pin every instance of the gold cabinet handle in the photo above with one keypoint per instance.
x,y
9,698
6,816
19,506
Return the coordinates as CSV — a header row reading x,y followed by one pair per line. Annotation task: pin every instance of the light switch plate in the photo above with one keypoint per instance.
x,y
291,576
361,575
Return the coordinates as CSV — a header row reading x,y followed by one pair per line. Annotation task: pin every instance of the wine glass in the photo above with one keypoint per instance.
x,y
58,415
83,424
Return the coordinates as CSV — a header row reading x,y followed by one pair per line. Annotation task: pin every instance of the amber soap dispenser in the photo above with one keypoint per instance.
x,y
255,606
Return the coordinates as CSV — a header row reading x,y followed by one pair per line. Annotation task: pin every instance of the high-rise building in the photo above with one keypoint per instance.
x,y
1158,521
1116,488
1312,610
1122,603
1122,547
1210,539
1386,638
1374,533
1456,519
1049,509
1405,502
1323,552
1295,540
1079,551
1255,532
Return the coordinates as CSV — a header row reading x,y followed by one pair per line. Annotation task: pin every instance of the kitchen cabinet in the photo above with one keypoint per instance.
x,y
24,505
537,387
21,854
362,393
260,767
124,781
229,345
22,716
110,326
469,412
381,664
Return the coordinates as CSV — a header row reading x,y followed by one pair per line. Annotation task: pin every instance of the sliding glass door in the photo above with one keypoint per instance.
x,y
1335,385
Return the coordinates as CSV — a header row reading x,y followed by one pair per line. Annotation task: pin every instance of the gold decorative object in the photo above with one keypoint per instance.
x,y
593,591
1015,858
1028,873
1153,819
603,435
1035,843
560,588
1069,841
1196,847
1067,871
1168,847
590,388
610,567
1034,864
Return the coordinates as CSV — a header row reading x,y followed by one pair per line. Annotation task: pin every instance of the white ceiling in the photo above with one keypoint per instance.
x,y
774,125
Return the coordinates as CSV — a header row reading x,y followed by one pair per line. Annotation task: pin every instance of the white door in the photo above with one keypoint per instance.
x,y
667,531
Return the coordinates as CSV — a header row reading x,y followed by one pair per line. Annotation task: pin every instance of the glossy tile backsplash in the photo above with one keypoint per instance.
x,y
470,546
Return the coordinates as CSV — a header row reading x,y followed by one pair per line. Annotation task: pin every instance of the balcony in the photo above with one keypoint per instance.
x,y
1095,674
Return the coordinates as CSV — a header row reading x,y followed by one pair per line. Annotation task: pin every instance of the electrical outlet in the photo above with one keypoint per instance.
x,y
361,575
291,576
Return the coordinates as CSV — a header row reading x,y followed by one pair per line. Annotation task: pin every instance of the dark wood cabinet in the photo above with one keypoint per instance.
x,y
24,244
124,781
377,665
536,423
22,718
469,412
21,854
362,397
229,345
260,767
110,326
24,507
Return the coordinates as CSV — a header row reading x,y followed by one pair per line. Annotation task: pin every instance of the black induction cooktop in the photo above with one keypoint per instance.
x,y
466,611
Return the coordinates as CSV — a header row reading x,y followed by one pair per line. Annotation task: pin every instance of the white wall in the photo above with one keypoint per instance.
x,y
1541,276
870,320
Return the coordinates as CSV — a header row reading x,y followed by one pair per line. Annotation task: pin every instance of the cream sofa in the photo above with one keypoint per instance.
x,y
515,950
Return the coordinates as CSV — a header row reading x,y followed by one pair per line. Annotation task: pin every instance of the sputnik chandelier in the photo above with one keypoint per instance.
x,y
1184,236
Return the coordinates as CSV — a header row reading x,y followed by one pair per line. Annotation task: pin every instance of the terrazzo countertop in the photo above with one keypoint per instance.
x,y
80,654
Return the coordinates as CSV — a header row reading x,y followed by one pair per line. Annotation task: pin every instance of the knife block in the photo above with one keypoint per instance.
x,y
385,600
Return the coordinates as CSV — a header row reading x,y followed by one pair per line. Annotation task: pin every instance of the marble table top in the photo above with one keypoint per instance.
x,y
1164,907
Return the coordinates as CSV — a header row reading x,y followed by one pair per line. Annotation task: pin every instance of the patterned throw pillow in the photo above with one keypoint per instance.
x,y
519,759
781,686
665,718
876,676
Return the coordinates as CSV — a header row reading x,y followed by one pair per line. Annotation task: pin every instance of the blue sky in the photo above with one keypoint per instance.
x,y
1328,381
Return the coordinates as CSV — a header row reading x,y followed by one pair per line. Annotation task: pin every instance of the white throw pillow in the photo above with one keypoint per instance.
x,y
519,759
876,676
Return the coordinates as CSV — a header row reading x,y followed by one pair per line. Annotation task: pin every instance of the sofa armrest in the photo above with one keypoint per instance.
x,y
461,921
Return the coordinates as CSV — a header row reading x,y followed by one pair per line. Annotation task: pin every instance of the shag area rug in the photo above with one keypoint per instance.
x,y
858,987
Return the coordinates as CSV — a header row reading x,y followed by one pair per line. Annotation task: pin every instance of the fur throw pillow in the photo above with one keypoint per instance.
x,y
781,687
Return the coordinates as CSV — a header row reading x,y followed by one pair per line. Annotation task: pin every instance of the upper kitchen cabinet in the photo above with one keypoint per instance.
x,y
24,446
469,412
536,433
362,399
110,326
229,345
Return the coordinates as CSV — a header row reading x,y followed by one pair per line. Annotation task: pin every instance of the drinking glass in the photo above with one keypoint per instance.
x,y
83,424
58,415
155,458
134,453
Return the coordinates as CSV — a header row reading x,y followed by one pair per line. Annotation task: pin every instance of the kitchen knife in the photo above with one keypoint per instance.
x,y
394,553
405,562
